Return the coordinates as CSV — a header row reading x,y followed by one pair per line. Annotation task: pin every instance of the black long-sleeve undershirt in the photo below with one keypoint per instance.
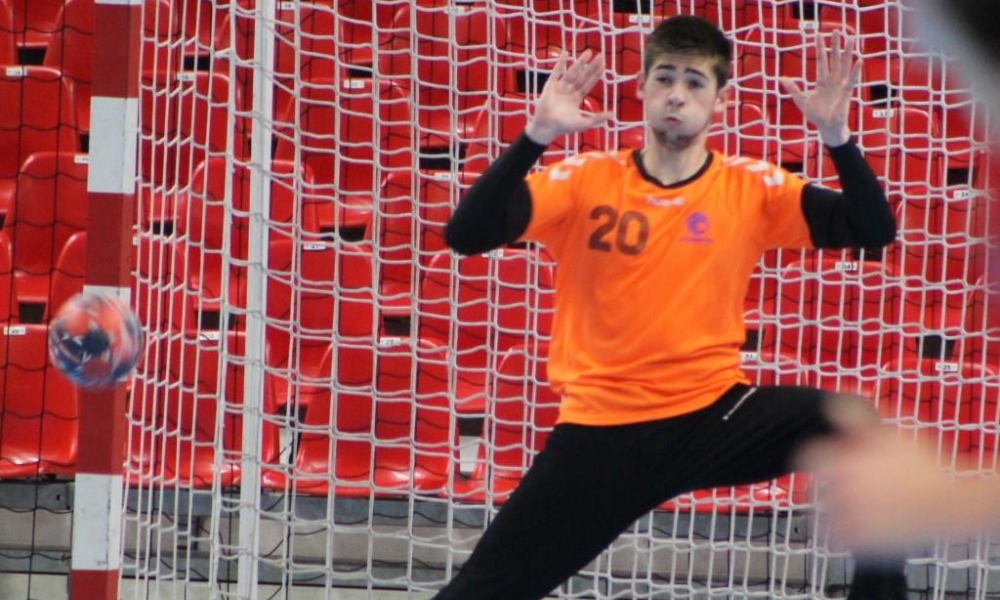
x,y
497,208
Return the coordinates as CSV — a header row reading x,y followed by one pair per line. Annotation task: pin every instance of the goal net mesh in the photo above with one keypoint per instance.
x,y
330,397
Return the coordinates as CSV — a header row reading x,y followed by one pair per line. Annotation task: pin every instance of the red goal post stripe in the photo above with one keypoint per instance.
x,y
111,186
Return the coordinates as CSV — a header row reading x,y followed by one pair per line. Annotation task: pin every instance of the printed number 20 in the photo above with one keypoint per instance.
x,y
608,221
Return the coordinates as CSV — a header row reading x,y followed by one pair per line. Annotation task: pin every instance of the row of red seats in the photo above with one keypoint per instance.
x,y
392,424
899,142
940,253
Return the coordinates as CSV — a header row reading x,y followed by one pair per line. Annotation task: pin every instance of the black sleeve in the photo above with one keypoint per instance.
x,y
497,208
857,217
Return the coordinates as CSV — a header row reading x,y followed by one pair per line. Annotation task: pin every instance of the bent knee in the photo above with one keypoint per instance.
x,y
848,412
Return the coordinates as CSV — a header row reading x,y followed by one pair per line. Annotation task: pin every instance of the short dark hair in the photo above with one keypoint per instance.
x,y
688,34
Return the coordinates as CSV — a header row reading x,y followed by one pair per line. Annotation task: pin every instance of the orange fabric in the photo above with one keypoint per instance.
x,y
651,280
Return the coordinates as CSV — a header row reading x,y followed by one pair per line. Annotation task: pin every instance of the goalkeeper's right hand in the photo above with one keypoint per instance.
x,y
558,110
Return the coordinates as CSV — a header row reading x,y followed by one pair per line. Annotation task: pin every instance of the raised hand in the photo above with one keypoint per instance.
x,y
558,109
828,104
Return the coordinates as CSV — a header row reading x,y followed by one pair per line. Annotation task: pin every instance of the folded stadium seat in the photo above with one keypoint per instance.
x,y
72,47
897,142
184,120
842,319
36,115
151,282
8,50
317,290
38,408
50,206
880,27
390,427
943,246
479,306
203,212
765,366
937,87
70,271
444,55
188,412
352,134
34,23
8,286
534,26
499,123
202,26
408,230
950,405
981,341
521,412
364,26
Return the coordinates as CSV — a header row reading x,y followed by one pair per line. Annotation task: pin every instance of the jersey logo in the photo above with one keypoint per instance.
x,y
558,175
698,226
775,179
664,202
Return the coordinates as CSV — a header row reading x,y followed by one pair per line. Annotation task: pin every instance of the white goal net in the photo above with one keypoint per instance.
x,y
332,399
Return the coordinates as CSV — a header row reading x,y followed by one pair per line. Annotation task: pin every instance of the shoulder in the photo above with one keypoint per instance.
x,y
588,164
754,172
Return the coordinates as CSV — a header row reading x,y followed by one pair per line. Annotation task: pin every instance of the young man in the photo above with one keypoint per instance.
x,y
655,249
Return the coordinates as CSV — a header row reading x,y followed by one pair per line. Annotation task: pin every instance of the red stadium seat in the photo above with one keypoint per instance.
x,y
943,246
189,412
8,50
409,230
842,319
981,334
390,431
47,123
35,21
316,291
8,288
50,206
331,129
898,145
363,27
203,212
189,106
38,408
70,271
945,403
765,366
72,47
440,52
937,87
201,23
521,413
307,46
479,306
503,119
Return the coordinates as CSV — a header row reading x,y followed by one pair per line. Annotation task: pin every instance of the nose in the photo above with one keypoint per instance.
x,y
676,97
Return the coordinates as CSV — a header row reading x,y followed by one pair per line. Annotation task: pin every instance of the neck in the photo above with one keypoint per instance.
x,y
670,163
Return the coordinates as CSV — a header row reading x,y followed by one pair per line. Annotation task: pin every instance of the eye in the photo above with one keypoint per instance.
x,y
665,80
696,84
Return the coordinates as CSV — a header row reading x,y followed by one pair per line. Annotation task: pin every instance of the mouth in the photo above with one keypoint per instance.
x,y
671,120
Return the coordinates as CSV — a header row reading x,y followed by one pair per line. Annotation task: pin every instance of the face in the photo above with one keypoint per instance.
x,y
680,96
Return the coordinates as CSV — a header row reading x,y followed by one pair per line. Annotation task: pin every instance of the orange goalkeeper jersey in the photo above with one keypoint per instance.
x,y
651,279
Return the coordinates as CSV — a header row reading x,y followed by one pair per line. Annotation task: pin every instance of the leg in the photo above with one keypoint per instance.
x,y
580,493
764,427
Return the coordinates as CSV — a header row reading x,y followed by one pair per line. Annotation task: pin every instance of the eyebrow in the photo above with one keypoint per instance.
x,y
690,70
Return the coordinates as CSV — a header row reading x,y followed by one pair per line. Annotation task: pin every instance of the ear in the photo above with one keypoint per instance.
x,y
722,99
640,85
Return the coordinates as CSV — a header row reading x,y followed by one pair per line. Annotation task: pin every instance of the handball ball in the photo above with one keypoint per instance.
x,y
95,340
